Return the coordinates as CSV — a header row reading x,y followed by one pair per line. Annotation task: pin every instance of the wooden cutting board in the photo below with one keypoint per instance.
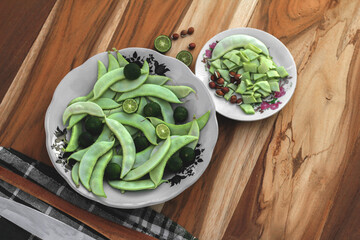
x,y
295,175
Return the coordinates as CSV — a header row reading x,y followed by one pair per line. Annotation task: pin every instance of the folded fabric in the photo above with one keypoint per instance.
x,y
144,220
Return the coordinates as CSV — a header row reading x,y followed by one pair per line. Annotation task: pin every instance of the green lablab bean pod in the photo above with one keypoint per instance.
x,y
82,107
177,142
89,160
127,144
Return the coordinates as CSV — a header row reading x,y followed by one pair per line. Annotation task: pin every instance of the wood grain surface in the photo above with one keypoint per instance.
x,y
295,175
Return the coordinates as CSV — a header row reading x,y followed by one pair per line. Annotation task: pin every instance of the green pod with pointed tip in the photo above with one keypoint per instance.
x,y
127,144
89,160
156,156
128,85
73,143
97,176
151,90
166,110
182,129
133,185
194,131
157,79
236,41
82,107
137,121
177,142
180,91
75,174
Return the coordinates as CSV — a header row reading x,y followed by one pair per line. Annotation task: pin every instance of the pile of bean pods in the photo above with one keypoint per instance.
x,y
115,143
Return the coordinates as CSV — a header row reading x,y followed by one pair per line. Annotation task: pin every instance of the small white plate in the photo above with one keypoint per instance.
x,y
281,56
80,81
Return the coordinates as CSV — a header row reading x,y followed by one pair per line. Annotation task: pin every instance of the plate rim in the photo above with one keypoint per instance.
x,y
199,172
241,30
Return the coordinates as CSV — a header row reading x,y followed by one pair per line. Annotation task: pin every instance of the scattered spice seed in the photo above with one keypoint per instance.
x,y
175,36
212,85
233,99
213,78
225,89
232,74
219,92
220,81
183,33
192,46
239,101
190,30
237,76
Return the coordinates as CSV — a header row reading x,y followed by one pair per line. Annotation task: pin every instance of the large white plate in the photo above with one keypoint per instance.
x,y
281,56
81,80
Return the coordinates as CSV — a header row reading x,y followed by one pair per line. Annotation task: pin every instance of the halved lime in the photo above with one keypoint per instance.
x,y
185,56
162,131
162,43
132,71
130,105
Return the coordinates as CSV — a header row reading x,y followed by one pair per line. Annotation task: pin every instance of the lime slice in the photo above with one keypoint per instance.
x,y
162,43
185,57
162,131
130,105
132,71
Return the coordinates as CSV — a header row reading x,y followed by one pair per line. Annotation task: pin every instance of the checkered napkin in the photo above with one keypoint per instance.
x,y
144,220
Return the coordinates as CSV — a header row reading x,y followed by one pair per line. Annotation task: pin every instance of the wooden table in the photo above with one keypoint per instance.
x,y
295,175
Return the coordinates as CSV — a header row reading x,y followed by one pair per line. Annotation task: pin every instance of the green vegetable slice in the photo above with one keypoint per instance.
x,y
162,43
185,57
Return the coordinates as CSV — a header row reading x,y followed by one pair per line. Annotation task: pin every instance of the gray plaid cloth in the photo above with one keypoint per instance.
x,y
144,220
